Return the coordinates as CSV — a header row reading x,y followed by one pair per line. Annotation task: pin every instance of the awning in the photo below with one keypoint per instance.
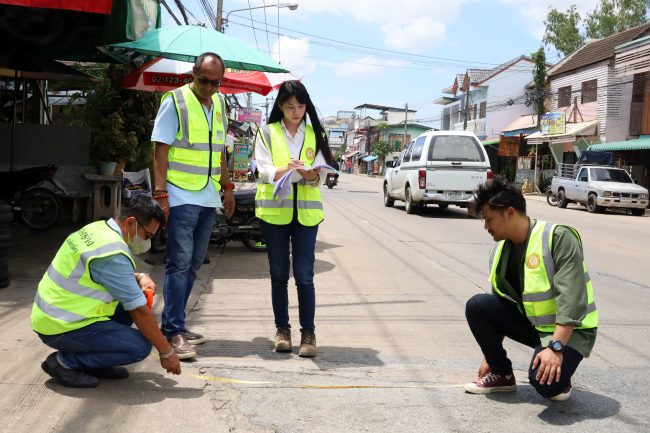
x,y
572,130
490,142
369,158
638,144
350,154
526,124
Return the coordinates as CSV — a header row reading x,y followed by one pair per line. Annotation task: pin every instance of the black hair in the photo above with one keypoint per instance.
x,y
199,60
297,89
499,194
143,207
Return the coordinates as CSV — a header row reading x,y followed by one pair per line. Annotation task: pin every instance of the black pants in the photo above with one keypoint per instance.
x,y
490,318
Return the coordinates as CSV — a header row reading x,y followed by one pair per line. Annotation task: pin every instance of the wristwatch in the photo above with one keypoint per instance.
x,y
556,346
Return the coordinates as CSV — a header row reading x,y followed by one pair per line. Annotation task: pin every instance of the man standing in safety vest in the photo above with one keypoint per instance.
x,y
189,170
90,296
541,297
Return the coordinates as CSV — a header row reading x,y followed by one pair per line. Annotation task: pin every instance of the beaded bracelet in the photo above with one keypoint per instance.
x,y
160,196
166,355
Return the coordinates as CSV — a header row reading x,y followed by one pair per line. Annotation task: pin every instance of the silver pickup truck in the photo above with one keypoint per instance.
x,y
598,187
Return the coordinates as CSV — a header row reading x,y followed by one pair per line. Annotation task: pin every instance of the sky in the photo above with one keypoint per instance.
x,y
386,52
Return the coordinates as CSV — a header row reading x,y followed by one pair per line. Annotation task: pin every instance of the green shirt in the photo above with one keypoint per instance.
x,y
569,283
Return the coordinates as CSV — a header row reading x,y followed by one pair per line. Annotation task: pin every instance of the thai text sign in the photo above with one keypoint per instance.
x,y
249,115
553,123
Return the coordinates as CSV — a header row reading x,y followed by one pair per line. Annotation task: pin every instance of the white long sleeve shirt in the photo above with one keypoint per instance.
x,y
264,159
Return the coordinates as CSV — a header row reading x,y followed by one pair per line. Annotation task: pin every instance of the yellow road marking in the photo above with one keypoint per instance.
x,y
286,385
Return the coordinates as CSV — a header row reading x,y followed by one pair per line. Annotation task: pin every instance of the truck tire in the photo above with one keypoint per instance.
x,y
561,199
388,201
592,206
638,212
409,204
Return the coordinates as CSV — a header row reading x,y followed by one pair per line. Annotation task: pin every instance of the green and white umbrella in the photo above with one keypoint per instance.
x,y
186,43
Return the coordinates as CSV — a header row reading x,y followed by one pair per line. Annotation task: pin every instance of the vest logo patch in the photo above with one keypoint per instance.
x,y
533,261
310,153
218,117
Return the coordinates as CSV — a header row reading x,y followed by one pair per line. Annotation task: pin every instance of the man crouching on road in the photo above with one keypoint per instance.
x,y
541,297
90,296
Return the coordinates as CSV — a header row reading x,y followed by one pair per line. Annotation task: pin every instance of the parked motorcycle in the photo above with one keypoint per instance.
x,y
331,180
243,226
39,208
550,197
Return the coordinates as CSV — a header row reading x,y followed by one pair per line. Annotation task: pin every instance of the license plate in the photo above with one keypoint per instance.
x,y
454,195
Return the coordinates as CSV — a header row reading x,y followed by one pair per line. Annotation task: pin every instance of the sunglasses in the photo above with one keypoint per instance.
x,y
204,82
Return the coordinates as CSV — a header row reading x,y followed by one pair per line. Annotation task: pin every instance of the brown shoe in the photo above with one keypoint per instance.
x,y
492,382
182,347
282,340
307,344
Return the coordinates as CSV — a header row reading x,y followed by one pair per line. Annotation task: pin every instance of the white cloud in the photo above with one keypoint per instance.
x,y
294,55
416,36
359,69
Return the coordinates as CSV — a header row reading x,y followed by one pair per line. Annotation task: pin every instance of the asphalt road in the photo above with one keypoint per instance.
x,y
394,348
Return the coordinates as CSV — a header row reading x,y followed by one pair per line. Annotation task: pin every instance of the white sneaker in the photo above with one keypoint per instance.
x,y
563,396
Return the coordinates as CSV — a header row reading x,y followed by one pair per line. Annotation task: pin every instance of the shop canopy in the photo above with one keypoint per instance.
x,y
369,158
642,143
573,130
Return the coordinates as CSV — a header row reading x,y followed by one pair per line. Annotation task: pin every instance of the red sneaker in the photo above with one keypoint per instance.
x,y
492,382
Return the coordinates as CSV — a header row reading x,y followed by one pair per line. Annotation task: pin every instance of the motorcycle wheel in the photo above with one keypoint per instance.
x,y
255,244
551,199
39,208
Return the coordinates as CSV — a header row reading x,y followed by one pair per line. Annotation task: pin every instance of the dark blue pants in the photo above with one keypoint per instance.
x,y
103,344
188,236
301,242
490,318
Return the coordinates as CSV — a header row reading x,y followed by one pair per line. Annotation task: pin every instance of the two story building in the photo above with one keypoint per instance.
x,y
484,101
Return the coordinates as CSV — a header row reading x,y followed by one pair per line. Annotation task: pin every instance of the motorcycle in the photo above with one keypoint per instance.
x,y
551,198
331,180
243,226
39,208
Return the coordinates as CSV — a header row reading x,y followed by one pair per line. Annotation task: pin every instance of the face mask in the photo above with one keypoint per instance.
x,y
138,245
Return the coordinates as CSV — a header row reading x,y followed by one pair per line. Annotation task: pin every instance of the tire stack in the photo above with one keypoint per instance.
x,y
6,217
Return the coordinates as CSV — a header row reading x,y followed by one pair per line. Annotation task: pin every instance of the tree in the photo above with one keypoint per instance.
x,y
120,120
606,19
539,82
562,30
615,16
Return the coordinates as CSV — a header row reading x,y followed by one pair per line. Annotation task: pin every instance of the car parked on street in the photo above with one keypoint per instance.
x,y
438,167
598,187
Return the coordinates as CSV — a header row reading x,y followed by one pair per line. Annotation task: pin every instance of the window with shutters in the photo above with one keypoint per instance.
x,y
483,110
589,91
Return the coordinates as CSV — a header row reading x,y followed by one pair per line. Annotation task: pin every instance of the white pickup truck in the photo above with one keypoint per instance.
x,y
438,167
598,187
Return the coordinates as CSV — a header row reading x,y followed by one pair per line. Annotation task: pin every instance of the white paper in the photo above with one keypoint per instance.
x,y
283,185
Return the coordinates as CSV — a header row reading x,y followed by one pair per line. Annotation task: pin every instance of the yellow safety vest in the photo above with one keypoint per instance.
x,y
307,198
195,156
538,295
67,297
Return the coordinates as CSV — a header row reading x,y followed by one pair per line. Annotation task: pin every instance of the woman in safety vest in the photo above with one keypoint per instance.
x,y
288,143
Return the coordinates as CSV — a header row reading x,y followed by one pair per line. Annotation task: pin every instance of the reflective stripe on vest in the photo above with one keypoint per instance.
x,y
195,155
67,297
307,198
539,293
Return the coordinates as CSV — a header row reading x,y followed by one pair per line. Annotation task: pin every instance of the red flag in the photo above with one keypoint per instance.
x,y
96,6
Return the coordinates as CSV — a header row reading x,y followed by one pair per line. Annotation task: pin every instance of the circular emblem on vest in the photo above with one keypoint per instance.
x,y
218,117
310,153
533,261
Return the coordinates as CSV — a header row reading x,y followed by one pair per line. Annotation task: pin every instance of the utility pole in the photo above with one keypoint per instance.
x,y
466,103
406,116
220,16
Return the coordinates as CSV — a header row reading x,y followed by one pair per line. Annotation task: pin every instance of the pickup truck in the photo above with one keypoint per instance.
x,y
438,167
598,187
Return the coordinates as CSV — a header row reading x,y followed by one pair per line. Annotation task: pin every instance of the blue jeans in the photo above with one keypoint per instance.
x,y
303,245
102,344
188,236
